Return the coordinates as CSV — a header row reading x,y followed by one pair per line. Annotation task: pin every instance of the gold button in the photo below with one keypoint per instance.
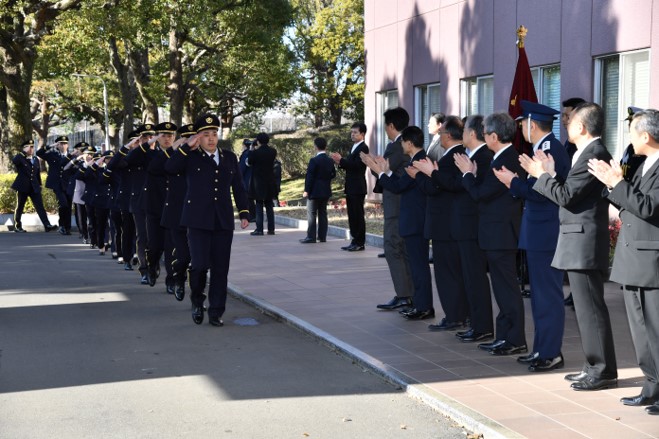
x,y
188,201
215,189
215,198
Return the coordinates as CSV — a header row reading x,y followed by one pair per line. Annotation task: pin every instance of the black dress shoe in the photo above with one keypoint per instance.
x,y
271,232
170,287
19,229
547,364
471,336
396,302
128,267
445,325
355,248
492,345
528,359
406,310
50,228
574,377
67,231
307,241
197,314
346,247
61,231
568,301
415,314
215,321
322,240
637,401
144,280
652,409
590,383
380,255
135,260
256,233
179,292
508,349
152,275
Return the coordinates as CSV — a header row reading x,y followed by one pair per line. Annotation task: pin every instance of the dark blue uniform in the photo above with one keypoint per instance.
x,y
28,184
57,182
137,161
126,225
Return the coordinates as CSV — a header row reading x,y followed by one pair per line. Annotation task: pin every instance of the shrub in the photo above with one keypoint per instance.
x,y
8,196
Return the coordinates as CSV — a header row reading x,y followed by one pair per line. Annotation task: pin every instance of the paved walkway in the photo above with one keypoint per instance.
x,y
332,295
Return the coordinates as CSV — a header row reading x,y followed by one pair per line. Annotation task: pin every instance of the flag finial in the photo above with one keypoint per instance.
x,y
521,34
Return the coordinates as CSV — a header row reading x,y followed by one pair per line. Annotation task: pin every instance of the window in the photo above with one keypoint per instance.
x,y
477,95
385,101
547,82
621,81
426,99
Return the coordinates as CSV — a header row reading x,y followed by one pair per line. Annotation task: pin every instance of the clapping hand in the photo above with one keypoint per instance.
x,y
610,175
505,175
426,165
377,164
464,164
538,165
336,157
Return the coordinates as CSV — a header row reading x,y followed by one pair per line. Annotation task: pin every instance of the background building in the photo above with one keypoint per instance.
x,y
459,57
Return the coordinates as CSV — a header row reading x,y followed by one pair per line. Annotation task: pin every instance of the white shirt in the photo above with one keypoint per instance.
x,y
500,151
214,156
470,153
581,150
354,147
649,161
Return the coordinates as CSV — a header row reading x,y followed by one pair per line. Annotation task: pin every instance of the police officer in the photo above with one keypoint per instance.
x,y
538,237
212,175
28,184
56,158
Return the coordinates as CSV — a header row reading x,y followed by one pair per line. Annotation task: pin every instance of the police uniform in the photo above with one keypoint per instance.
x,y
28,184
102,201
538,237
79,212
208,215
57,182
177,186
88,175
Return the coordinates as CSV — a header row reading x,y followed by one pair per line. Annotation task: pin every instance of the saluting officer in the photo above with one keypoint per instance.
x,y
57,159
28,184
212,175
177,186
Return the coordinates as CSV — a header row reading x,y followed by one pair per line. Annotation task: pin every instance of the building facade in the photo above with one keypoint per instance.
x,y
459,57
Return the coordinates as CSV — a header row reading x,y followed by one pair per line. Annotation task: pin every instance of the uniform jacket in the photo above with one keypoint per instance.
x,y
137,159
636,259
28,174
56,162
318,181
583,242
355,171
207,203
540,223
156,182
412,215
177,187
262,185
123,175
499,213
106,185
90,176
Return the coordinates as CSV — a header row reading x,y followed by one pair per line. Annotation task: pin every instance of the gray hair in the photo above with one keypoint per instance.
x,y
647,121
501,124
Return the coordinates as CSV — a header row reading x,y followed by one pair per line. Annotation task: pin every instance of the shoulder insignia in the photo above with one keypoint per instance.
x,y
546,145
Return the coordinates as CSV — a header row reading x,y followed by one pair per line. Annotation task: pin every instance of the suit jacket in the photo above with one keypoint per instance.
x,y
28,174
355,171
583,242
411,220
397,162
207,203
636,259
435,150
499,213
262,185
540,222
318,181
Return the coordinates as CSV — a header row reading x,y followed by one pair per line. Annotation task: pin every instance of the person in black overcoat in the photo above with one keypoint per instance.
x,y
262,187
317,191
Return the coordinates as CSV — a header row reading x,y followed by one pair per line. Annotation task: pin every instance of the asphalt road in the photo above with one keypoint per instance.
x,y
87,352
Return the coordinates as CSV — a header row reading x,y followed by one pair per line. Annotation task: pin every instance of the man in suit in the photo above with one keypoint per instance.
x,y
411,219
630,160
498,231
395,120
247,176
636,255
583,242
212,175
442,184
435,149
57,159
317,191
28,184
568,106
262,186
538,237
355,186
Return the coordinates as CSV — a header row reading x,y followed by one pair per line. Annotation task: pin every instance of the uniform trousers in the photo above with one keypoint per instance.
x,y
396,255
642,305
141,240
91,225
117,221
449,280
181,254
503,273
317,208
63,208
159,242
127,236
417,252
37,202
594,323
269,212
356,221
546,303
477,285
101,215
81,219
209,250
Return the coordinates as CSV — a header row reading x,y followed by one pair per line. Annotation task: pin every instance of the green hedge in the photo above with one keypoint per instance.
x,y
8,196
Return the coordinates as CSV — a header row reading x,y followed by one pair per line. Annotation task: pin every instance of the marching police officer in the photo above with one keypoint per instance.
x,y
56,181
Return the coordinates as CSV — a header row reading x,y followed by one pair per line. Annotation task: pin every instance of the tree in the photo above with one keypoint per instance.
x,y
329,42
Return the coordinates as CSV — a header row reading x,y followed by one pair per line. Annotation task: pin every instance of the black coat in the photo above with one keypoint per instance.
x,y
355,171
123,174
262,185
28,174
318,181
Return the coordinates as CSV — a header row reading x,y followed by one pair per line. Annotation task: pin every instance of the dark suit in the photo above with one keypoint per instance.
x,y
28,184
138,159
57,182
394,246
208,215
583,251
635,267
318,186
499,221
355,190
538,237
119,166
177,187
411,225
262,186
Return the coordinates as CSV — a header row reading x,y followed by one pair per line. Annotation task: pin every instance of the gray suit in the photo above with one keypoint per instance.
x,y
435,150
583,251
636,267
394,246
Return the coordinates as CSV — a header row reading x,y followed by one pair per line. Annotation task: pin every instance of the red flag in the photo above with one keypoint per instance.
x,y
522,89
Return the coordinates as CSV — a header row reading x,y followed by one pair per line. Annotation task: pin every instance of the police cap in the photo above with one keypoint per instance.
x,y
631,111
186,130
62,139
537,111
206,122
27,143
165,128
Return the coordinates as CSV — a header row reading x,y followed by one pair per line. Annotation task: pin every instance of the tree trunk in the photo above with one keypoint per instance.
x,y
226,117
42,130
139,64
126,88
176,86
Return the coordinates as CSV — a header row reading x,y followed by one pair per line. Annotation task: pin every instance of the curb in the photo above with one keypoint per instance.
x,y
339,232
